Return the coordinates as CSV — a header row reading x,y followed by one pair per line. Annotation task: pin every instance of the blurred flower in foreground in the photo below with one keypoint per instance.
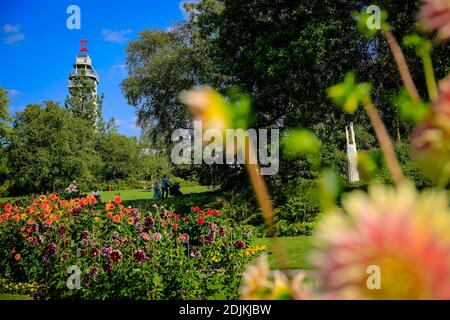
x,y
208,106
217,112
431,139
258,284
435,15
404,234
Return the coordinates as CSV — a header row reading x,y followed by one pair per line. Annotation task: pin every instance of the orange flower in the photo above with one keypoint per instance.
x,y
117,199
109,214
130,220
92,199
64,203
42,197
116,218
17,256
53,197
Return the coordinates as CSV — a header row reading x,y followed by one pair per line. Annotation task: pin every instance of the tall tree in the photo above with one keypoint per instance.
x,y
49,147
120,156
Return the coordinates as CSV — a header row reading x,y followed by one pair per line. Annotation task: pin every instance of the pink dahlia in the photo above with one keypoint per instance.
x,y
390,244
431,139
435,15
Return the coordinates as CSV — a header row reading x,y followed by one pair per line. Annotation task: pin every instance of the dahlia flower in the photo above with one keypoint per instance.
x,y
157,236
431,139
145,237
209,107
140,256
94,252
51,248
435,15
399,232
239,244
259,283
115,256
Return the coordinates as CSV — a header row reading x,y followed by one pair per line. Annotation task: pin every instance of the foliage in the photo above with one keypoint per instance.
x,y
120,156
121,252
49,147
83,101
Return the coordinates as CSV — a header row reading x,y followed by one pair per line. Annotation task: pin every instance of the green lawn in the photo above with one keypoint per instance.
x,y
129,195
297,249
140,194
8,296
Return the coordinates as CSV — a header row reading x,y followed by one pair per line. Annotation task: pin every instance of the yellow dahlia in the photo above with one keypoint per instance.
x,y
210,107
259,283
396,235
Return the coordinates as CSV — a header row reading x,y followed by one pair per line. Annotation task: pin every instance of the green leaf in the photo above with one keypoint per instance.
x,y
410,110
348,94
422,46
301,141
329,188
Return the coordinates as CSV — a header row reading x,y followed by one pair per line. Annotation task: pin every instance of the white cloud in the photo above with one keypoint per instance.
x,y
119,67
115,36
9,28
12,92
128,124
13,34
14,38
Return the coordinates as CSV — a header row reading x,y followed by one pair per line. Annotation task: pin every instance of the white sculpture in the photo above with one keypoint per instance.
x,y
352,155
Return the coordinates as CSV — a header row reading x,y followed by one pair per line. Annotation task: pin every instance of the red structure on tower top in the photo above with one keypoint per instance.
x,y
83,45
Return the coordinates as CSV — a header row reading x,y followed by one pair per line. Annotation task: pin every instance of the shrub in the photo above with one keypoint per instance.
x,y
121,252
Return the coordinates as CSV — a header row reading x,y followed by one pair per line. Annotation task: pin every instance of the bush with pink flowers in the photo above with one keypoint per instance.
x,y
120,253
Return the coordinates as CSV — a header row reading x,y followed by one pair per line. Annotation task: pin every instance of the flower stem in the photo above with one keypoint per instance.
x,y
401,64
430,79
263,197
384,141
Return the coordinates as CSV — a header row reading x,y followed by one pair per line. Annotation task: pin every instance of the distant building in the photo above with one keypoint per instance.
x,y
83,69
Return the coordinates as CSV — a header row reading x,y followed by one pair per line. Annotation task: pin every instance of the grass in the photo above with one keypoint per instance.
x,y
9,296
140,194
297,249
128,195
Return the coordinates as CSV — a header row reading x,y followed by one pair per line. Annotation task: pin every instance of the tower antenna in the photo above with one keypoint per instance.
x,y
83,45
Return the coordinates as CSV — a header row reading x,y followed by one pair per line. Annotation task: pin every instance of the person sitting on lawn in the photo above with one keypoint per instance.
x,y
97,194
72,189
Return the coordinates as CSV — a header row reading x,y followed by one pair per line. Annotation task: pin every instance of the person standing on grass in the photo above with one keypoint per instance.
x,y
156,190
165,184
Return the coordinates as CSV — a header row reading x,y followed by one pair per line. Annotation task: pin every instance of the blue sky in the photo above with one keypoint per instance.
x,y
38,50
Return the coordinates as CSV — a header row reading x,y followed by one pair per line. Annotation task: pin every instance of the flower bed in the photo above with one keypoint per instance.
x,y
78,249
